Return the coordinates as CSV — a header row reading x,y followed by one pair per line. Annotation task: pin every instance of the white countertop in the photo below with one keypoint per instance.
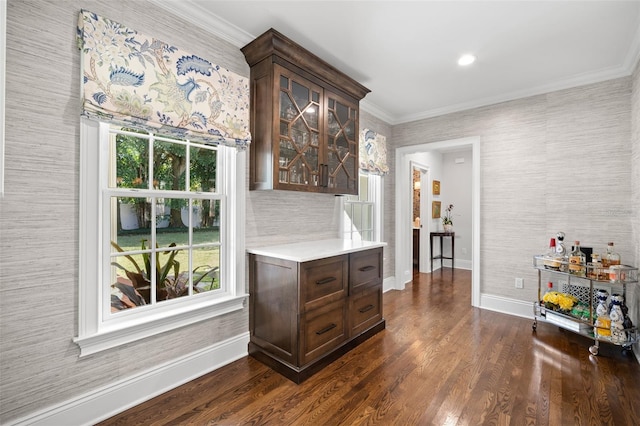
x,y
312,250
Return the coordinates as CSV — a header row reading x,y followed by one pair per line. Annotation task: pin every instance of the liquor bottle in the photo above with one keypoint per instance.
x,y
577,261
551,258
545,299
595,269
562,251
613,258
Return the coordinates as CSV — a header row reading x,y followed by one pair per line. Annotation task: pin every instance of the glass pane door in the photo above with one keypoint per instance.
x,y
342,144
299,112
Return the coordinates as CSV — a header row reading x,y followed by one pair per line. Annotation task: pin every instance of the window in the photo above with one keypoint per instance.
x,y
362,217
159,236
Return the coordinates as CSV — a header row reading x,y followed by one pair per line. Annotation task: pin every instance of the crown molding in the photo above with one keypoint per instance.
x,y
576,81
210,22
206,20
633,54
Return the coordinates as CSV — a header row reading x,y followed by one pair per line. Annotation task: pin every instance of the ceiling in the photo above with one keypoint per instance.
x,y
406,52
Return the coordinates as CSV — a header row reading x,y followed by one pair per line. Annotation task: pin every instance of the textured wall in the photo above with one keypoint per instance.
x,y
39,212
634,297
560,161
368,121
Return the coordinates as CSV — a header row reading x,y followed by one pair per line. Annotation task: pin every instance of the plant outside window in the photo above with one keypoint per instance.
x,y
165,243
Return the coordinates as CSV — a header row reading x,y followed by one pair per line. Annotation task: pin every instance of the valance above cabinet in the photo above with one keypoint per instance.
x,y
304,119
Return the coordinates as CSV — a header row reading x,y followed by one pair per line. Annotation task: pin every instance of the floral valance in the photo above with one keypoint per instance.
x,y
135,80
373,153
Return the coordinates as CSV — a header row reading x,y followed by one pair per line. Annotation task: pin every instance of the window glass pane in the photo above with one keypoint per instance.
x,y
206,269
209,232
203,169
357,216
172,274
176,211
131,158
170,164
130,228
130,286
367,216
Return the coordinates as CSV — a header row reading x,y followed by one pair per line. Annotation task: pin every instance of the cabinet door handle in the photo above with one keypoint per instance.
x,y
327,328
324,175
366,308
366,268
326,280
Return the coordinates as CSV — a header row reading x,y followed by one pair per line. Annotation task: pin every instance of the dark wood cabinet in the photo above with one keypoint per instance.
x,y
303,315
304,119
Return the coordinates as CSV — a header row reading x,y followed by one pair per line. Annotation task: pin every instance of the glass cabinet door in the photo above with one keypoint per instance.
x,y
299,130
342,134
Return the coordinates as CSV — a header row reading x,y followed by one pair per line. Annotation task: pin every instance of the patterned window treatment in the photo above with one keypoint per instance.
x,y
373,153
135,80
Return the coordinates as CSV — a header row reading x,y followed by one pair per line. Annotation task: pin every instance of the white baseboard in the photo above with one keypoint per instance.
x,y
459,264
100,404
506,305
389,283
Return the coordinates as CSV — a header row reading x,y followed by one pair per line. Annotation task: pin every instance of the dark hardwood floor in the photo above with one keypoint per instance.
x,y
439,362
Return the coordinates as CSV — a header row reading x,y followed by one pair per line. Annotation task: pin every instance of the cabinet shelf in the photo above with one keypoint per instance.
x,y
582,282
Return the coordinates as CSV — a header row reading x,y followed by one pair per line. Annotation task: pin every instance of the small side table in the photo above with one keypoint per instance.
x,y
441,256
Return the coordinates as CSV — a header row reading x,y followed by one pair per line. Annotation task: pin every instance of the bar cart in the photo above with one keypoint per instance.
x,y
583,290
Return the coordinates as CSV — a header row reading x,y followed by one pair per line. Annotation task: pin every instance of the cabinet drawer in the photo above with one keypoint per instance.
x,y
365,310
365,269
323,281
324,329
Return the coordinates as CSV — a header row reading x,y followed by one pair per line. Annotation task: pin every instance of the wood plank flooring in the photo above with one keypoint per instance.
x,y
439,362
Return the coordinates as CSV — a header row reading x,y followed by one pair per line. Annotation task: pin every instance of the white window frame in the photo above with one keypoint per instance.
x,y
375,197
96,334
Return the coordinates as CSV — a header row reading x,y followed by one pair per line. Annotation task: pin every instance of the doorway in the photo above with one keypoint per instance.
x,y
404,209
420,214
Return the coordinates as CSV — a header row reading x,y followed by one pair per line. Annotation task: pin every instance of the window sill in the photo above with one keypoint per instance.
x,y
111,338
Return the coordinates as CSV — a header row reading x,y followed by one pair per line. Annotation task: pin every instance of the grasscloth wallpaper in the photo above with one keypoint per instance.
x,y
566,161
554,162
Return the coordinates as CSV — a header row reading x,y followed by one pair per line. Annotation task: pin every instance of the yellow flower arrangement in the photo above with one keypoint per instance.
x,y
563,301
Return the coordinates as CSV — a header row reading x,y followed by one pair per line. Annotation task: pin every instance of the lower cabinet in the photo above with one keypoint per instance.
x,y
304,315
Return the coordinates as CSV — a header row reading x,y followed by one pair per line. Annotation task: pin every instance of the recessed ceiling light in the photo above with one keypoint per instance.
x,y
466,59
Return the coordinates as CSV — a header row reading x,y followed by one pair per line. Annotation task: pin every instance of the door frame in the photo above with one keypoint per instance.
x,y
403,213
425,222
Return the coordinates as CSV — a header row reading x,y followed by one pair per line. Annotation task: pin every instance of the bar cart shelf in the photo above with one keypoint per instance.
x,y
584,289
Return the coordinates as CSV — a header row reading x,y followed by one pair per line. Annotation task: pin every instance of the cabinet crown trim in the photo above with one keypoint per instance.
x,y
273,43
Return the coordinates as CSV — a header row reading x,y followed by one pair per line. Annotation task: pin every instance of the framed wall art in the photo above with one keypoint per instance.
x,y
436,187
435,209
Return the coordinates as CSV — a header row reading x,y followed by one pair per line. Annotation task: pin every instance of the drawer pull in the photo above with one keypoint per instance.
x,y
366,308
326,280
366,268
327,328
